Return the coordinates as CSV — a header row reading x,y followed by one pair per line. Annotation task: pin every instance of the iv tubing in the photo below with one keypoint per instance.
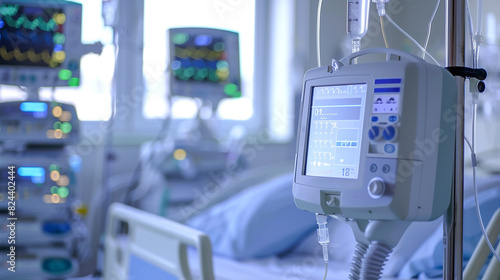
x,y
318,31
411,39
383,31
326,271
430,27
474,165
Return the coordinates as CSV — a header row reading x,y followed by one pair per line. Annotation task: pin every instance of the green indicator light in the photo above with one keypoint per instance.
x,y
55,167
54,190
63,192
219,46
66,127
180,38
232,90
65,74
74,82
57,125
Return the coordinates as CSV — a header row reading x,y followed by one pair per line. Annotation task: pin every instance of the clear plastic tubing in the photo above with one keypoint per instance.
x,y
357,21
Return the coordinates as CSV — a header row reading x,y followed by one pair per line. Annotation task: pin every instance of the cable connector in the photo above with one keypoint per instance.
x,y
323,235
380,6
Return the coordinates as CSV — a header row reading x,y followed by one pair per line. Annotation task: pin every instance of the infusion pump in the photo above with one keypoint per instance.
x,y
376,140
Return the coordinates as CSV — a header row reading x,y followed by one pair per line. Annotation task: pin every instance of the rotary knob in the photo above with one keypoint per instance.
x,y
390,133
374,133
376,187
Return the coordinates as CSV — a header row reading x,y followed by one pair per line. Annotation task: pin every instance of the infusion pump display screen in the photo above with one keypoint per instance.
x,y
335,131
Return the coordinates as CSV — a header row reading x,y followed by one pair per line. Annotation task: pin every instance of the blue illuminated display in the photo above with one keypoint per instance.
x,y
34,107
36,174
31,171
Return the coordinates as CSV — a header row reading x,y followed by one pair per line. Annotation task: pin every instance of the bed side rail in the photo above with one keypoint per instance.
x,y
155,240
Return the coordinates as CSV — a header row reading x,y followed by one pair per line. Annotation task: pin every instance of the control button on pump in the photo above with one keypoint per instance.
x,y
389,148
386,168
390,133
373,168
393,119
374,133
374,119
376,187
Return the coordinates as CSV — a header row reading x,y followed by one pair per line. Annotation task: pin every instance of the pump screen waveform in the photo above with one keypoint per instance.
x,y
204,63
32,35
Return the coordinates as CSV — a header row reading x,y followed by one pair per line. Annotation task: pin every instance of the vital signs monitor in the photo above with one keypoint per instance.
x,y
376,140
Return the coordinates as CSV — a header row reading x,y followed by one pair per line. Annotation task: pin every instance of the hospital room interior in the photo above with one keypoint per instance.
x,y
249,139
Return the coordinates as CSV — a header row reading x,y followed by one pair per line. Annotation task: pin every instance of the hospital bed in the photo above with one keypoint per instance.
x,y
150,246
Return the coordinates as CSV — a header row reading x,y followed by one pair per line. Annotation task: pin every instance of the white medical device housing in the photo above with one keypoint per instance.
x,y
376,140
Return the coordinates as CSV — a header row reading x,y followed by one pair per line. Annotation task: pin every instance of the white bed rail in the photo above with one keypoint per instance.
x,y
482,251
155,240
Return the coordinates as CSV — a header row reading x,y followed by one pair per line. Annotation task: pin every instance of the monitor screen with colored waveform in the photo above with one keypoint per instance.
x,y
40,43
204,63
31,35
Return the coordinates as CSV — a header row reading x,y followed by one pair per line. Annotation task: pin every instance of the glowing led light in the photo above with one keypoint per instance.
x,y
53,167
74,82
63,192
66,127
57,125
180,154
55,198
180,38
65,74
2,23
55,175
232,90
58,134
57,111
53,190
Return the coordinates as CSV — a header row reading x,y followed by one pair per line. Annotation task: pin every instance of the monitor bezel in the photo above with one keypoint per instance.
x,y
331,183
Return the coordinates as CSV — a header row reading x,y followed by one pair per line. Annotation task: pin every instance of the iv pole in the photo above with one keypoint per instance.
x,y
453,225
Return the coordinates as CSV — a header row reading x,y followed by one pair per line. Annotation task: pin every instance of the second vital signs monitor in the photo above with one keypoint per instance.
x,y
376,140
